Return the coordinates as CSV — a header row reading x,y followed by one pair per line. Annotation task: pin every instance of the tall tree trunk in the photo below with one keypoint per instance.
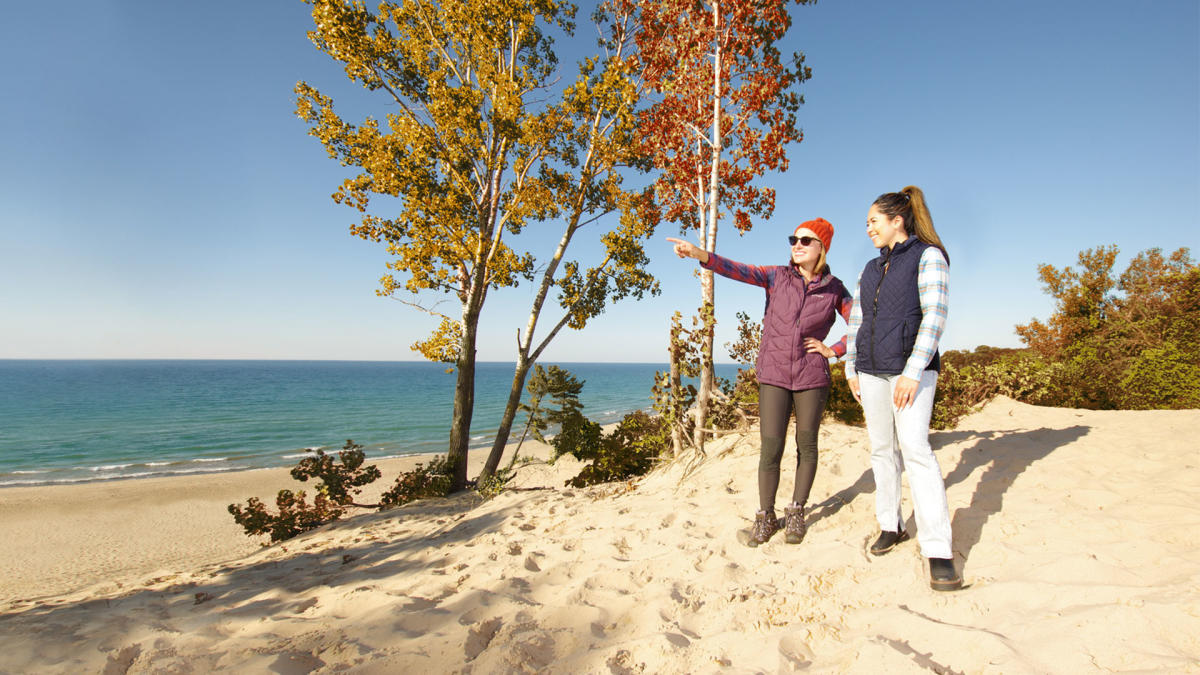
x,y
525,361
510,414
675,392
527,355
707,299
704,395
464,402
460,425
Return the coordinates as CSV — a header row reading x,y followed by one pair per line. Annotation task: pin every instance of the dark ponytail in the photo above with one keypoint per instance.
x,y
909,204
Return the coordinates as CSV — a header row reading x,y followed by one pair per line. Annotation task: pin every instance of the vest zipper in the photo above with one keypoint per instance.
x,y
799,318
875,309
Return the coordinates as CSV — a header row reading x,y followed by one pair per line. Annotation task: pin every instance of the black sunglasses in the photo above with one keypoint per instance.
x,y
807,241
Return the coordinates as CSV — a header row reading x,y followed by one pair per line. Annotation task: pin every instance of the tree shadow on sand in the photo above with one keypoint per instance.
x,y
242,589
1003,456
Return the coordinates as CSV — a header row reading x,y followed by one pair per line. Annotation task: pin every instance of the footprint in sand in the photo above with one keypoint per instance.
x,y
479,636
418,604
623,663
623,547
795,651
303,607
121,661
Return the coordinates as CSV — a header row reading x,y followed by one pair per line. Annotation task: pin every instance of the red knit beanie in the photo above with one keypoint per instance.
x,y
820,227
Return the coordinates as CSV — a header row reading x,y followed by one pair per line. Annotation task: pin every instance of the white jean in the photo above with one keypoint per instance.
x,y
889,427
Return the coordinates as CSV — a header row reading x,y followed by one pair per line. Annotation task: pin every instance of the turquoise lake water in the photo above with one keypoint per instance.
x,y
76,421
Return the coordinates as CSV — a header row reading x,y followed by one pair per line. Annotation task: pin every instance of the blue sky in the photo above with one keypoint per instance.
x,y
159,198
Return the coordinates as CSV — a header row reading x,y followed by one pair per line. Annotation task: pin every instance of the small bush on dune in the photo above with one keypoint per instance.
x,y
419,483
340,478
841,405
630,450
970,379
294,515
578,436
1162,377
488,487
732,403
745,391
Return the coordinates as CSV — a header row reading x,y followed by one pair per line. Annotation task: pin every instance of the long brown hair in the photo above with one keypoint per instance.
x,y
909,203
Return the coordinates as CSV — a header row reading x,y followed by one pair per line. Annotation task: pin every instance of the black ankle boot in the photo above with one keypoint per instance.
x,y
888,540
942,576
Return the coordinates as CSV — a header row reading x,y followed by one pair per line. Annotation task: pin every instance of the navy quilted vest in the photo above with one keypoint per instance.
x,y
891,310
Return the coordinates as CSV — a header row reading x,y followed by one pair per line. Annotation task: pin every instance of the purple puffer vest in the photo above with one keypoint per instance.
x,y
796,310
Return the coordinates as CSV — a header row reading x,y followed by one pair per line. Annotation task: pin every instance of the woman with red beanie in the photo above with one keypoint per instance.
x,y
803,300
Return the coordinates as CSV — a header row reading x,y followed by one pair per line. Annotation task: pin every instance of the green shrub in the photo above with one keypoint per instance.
x,y
341,477
1119,342
419,482
1028,377
492,485
969,380
294,515
723,411
842,406
1161,377
630,450
578,436
745,391
960,391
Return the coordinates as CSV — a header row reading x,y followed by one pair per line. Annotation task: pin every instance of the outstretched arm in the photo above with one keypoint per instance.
x,y
686,249
732,269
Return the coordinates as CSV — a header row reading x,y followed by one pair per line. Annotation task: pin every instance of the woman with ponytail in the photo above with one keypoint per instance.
x,y
892,366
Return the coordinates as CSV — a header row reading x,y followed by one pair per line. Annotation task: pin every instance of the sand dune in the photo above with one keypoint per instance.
x,y
1074,530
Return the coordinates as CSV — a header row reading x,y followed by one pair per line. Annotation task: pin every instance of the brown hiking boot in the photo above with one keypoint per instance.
x,y
794,527
765,525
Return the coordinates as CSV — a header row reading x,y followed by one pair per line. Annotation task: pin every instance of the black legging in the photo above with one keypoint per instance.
x,y
775,405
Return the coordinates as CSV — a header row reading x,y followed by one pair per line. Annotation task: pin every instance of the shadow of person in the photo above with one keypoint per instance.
x,y
829,506
1003,456
866,482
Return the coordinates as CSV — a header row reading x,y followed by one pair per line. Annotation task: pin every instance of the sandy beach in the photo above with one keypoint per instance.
x,y
1074,531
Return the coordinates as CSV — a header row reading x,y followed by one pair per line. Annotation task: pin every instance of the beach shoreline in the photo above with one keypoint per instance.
x,y
66,537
